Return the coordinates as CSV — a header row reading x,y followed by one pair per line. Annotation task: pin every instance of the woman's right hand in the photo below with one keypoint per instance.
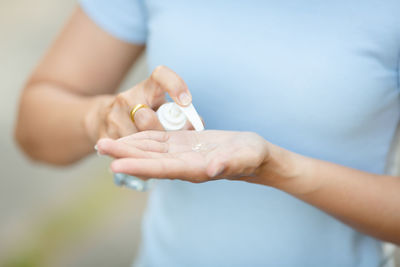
x,y
69,100
110,114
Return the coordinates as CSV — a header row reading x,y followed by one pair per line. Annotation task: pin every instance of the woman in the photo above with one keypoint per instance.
x,y
318,80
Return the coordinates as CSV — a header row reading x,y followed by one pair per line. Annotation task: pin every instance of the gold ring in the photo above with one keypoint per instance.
x,y
136,108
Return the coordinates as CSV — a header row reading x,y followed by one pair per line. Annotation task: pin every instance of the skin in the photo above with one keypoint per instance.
x,y
69,102
370,203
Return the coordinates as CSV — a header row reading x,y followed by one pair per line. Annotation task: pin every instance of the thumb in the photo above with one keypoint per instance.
x,y
216,168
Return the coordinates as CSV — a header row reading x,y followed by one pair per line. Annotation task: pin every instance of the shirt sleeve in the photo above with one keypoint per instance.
x,y
124,19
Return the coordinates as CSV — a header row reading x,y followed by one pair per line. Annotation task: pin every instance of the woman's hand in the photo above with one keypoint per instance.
x,y
110,115
190,155
367,202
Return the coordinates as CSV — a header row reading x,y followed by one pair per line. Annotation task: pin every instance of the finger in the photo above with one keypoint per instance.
x,y
127,127
168,81
120,124
146,119
111,131
158,168
153,96
117,122
159,136
118,128
146,145
116,149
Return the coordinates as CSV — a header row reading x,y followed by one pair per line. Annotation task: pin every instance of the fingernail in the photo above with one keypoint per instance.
x,y
185,99
218,171
95,147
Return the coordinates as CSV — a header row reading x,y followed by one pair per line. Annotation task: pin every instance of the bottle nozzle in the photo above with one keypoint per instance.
x,y
193,117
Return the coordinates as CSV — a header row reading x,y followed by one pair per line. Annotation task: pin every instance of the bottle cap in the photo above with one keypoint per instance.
x,y
171,117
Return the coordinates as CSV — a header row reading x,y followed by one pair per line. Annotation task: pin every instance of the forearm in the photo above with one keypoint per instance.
x,y
369,203
51,124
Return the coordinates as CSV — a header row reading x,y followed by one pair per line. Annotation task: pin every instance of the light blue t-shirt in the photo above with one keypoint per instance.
x,y
320,78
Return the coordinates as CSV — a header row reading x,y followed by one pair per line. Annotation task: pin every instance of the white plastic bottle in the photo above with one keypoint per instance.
x,y
172,117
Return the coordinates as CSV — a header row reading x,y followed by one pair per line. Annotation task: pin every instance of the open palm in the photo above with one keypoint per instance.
x,y
187,155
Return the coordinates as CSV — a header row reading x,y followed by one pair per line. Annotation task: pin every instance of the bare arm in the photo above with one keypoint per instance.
x,y
369,203
69,101
84,61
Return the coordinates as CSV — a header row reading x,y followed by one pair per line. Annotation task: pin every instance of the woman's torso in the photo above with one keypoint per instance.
x,y
319,78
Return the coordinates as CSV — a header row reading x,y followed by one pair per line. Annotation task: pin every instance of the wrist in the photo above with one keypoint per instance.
x,y
287,171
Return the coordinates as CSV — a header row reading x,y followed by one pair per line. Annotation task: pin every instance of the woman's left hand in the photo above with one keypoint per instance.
x,y
189,155
361,200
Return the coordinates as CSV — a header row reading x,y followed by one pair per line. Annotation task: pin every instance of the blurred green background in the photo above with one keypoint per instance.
x,y
49,216
58,216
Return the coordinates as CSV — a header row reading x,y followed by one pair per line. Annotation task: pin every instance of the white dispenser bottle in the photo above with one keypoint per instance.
x,y
172,117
